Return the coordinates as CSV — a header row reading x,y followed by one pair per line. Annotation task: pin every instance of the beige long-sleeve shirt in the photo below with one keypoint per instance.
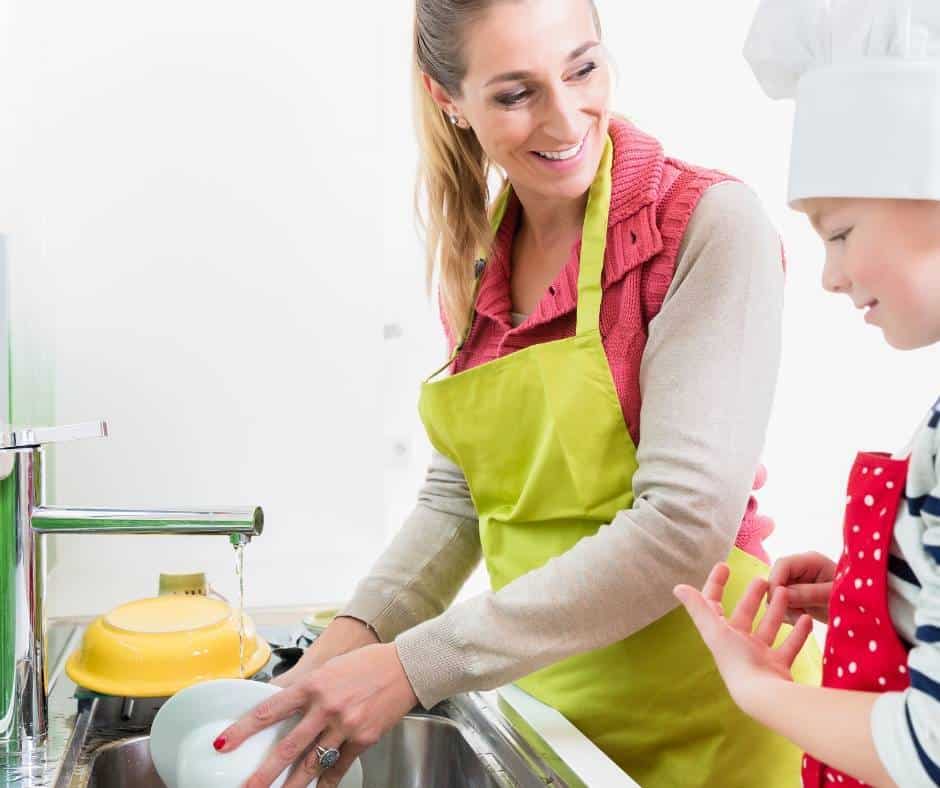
x,y
707,380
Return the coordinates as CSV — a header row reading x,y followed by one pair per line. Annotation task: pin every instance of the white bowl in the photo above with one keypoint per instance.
x,y
187,724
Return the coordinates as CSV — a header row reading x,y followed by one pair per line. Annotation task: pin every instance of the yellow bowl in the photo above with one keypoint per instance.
x,y
152,648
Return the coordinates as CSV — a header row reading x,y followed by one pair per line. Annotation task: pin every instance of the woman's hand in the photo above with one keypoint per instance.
x,y
347,704
340,637
746,657
808,580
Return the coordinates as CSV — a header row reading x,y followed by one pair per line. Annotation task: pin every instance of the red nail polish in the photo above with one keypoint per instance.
x,y
219,743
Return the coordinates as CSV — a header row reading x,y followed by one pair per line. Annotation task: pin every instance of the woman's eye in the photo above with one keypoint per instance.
x,y
511,99
585,70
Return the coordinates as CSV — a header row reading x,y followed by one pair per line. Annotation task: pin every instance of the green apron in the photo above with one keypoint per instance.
x,y
548,459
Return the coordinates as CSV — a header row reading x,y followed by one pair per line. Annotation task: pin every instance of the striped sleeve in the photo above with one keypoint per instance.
x,y
906,725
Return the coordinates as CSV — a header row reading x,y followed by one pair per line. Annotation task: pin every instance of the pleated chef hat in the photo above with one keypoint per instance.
x,y
865,75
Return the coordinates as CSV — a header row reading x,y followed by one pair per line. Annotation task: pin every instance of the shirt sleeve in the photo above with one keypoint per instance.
x,y
707,379
906,725
431,557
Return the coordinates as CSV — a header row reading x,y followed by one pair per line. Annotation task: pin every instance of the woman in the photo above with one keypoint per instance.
x,y
599,435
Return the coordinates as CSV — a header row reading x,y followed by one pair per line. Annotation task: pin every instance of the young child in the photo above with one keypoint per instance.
x,y
865,169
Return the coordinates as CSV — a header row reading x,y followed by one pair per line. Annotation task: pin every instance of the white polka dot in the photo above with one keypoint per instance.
x,y
861,554
864,470
869,500
825,660
839,778
851,633
856,529
877,621
883,512
882,681
858,582
878,554
879,471
836,621
902,668
842,597
889,485
869,582
861,609
848,499
830,777
853,668
832,649
876,536
872,646
804,763
840,673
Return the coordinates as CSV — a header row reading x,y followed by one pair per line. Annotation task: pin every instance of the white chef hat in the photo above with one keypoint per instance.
x,y
866,78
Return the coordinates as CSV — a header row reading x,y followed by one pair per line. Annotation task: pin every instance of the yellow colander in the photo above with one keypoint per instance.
x,y
151,648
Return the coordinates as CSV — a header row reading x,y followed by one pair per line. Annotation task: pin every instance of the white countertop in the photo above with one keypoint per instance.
x,y
566,742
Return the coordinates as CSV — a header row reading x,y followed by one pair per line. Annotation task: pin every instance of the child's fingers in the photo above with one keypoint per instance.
x,y
714,587
780,573
743,617
809,595
770,624
790,647
703,615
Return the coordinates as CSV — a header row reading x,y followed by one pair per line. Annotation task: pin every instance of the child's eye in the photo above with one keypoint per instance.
x,y
841,236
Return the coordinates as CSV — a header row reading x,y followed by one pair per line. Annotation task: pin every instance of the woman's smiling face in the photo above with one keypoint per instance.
x,y
536,93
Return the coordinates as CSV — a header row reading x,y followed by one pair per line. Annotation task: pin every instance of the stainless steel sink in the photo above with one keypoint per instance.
x,y
470,741
465,742
123,763
419,752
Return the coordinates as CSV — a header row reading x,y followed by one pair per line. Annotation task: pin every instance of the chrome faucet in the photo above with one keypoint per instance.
x,y
25,519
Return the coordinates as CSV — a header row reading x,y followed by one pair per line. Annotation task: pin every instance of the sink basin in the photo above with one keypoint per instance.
x,y
472,740
420,751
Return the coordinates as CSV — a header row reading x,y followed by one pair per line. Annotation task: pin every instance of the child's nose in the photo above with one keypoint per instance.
x,y
834,279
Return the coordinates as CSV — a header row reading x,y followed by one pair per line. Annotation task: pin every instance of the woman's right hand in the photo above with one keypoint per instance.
x,y
808,579
340,637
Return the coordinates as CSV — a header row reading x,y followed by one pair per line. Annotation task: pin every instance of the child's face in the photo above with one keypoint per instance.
x,y
884,255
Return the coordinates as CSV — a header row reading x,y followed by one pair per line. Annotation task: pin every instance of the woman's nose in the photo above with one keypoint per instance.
x,y
561,118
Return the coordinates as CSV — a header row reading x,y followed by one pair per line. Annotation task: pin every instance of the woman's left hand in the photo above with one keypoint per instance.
x,y
745,656
347,704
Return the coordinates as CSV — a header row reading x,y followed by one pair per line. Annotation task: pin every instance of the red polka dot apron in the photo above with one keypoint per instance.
x,y
863,651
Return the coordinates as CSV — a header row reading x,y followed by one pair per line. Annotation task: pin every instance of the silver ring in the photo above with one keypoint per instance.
x,y
328,757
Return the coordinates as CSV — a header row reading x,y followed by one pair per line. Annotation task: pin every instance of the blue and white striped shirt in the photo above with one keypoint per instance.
x,y
906,725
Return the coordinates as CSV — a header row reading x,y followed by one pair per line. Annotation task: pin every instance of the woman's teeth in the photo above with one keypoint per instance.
x,y
561,155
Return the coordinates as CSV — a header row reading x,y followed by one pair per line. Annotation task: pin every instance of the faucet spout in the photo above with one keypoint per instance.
x,y
24,521
247,521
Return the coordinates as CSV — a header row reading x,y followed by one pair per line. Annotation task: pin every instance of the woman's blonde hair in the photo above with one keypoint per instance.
x,y
453,180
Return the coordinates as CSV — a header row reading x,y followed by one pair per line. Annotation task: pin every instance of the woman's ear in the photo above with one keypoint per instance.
x,y
441,97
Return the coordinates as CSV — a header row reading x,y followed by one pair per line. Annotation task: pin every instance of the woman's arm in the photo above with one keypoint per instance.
x,y
430,558
707,380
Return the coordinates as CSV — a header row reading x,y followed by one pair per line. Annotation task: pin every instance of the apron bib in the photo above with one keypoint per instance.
x,y
548,459
863,651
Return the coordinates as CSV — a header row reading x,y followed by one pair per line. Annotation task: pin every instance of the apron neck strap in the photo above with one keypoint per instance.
x,y
593,245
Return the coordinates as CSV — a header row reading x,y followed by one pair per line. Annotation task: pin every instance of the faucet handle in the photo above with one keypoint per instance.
x,y
24,437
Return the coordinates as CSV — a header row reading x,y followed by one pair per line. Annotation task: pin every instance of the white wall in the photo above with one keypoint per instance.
x,y
198,181
215,200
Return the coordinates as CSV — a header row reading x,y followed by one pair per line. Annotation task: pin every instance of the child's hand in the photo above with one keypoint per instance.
x,y
746,659
808,580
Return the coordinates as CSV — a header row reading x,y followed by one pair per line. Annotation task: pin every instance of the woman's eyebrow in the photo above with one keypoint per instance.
x,y
516,76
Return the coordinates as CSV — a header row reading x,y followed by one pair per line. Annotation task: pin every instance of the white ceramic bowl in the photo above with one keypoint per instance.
x,y
187,724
